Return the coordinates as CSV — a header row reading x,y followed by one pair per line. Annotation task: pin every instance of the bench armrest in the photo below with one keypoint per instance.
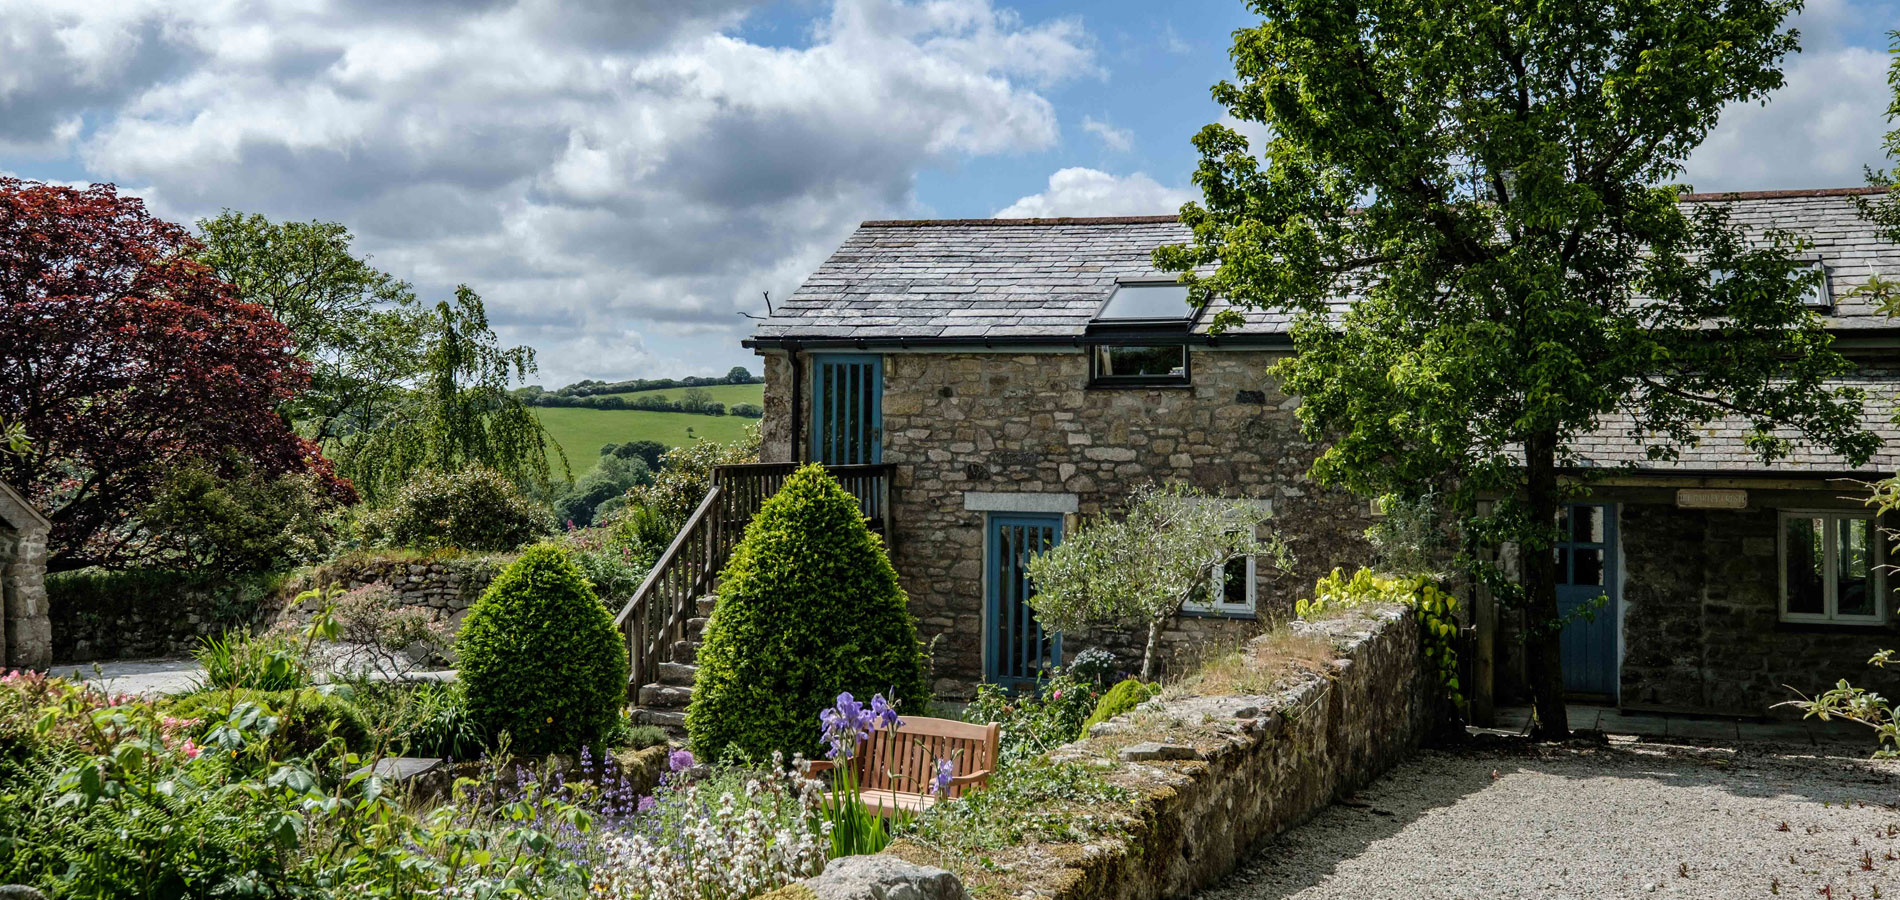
x,y
813,767
972,778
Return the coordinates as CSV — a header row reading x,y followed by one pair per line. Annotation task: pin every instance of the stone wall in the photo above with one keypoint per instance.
x,y
26,630
1701,614
446,587
1030,423
1216,774
138,615
147,614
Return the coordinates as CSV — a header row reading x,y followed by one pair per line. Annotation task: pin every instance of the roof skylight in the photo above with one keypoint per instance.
x,y
1147,301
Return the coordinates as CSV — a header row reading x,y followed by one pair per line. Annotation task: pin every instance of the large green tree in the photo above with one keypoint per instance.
x,y
397,387
358,327
1471,210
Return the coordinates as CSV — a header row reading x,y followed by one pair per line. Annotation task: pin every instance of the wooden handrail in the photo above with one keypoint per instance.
x,y
655,616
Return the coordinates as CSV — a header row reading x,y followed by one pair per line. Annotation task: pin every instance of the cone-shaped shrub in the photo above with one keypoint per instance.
x,y
539,656
808,607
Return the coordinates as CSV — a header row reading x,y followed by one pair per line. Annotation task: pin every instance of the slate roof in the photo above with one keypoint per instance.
x,y
1721,448
1002,280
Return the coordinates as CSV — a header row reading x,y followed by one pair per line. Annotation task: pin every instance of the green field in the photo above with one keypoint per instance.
x,y
582,432
728,394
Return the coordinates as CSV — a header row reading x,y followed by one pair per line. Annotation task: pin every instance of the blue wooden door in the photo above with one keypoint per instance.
x,y
1016,648
1586,597
847,409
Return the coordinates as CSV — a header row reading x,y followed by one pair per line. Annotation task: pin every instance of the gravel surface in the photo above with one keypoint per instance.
x,y
1619,820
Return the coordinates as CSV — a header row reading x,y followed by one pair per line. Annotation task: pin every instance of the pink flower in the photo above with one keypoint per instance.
x,y
192,749
1058,693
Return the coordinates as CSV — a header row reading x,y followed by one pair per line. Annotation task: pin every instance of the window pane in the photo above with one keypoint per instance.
x,y
1586,566
1806,556
1563,565
1588,522
1147,301
1854,555
1141,362
1234,588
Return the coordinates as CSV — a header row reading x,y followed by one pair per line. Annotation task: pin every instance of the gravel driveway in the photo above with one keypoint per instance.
x,y
1619,820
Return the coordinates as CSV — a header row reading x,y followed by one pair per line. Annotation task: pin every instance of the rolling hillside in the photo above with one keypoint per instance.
x,y
728,394
582,432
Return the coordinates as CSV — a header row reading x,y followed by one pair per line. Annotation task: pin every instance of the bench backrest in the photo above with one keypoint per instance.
x,y
906,759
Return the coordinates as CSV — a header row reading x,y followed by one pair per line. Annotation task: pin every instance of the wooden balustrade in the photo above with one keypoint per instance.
x,y
655,617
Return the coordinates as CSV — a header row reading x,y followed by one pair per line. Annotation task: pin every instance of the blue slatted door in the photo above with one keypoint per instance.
x,y
1586,597
847,426
1016,647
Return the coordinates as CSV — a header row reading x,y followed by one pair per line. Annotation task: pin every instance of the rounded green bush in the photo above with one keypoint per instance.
x,y
809,607
473,509
318,716
539,657
1124,696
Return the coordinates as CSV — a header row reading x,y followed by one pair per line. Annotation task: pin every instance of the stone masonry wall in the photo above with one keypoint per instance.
x,y
26,634
1030,423
141,615
1701,618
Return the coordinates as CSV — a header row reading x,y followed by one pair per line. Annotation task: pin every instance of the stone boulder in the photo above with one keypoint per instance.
x,y
883,878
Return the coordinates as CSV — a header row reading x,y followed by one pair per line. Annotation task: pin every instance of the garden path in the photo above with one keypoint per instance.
x,y
1620,818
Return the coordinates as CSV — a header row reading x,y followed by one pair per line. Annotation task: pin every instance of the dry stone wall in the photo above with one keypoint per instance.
x,y
1029,423
26,632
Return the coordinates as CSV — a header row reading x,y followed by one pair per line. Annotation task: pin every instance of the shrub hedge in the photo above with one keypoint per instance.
x,y
317,718
809,607
473,509
539,657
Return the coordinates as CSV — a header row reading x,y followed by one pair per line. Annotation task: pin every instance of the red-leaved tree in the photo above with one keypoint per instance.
x,y
122,356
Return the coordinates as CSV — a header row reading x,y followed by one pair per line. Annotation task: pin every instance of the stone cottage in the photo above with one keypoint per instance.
x,y
1019,374
26,632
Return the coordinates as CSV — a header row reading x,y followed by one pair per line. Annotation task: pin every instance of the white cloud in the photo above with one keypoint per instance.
x,y
598,171
1820,130
1092,192
1116,139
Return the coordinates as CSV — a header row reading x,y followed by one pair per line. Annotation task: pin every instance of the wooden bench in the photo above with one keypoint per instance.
x,y
895,768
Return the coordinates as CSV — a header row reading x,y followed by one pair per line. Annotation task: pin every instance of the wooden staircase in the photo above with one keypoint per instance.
x,y
665,620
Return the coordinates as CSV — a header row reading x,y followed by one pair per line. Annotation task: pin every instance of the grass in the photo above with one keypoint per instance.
x,y
728,394
582,432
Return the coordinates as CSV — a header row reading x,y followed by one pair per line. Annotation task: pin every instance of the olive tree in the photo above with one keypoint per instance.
x,y
1139,570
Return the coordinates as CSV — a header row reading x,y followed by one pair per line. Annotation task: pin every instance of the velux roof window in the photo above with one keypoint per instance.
x,y
1142,325
1147,303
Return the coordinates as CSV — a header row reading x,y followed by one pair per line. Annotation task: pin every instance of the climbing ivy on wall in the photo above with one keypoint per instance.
x,y
1436,610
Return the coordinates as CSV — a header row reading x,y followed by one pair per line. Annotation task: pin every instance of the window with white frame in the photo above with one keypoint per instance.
x,y
1830,568
1229,592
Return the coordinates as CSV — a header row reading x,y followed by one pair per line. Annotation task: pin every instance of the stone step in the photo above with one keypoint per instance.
x,y
705,606
696,628
678,674
673,720
686,652
665,696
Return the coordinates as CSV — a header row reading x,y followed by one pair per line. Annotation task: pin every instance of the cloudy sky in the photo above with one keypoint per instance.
x,y
622,178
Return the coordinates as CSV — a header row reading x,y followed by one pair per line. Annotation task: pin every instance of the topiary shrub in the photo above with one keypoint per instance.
x,y
809,607
474,509
1124,696
539,657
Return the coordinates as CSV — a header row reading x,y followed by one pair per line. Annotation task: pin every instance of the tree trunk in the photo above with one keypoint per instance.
x,y
1543,643
1148,652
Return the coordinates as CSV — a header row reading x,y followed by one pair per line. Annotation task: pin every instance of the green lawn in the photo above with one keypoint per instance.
x,y
582,432
721,393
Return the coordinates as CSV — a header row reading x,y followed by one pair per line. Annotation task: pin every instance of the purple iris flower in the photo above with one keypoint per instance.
x,y
946,770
